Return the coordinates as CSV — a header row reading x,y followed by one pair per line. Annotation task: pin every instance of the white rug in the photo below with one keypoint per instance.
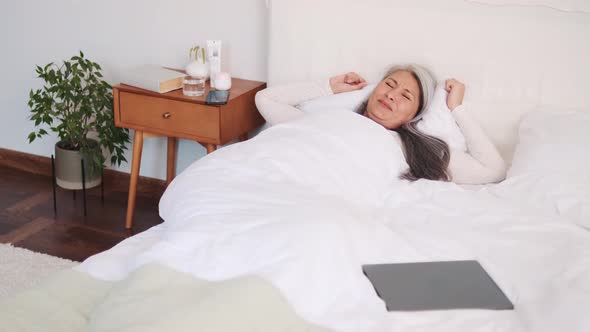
x,y
21,268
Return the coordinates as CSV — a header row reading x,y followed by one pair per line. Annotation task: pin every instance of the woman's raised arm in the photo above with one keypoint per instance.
x,y
277,104
482,163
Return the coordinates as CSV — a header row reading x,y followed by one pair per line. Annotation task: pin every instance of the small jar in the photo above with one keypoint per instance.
x,y
222,81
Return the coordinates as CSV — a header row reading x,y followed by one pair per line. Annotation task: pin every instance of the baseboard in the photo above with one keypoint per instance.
x,y
114,180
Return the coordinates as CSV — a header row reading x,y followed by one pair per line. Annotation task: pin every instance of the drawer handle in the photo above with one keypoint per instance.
x,y
166,115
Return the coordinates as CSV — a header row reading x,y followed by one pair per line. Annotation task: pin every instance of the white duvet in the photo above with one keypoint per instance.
x,y
305,204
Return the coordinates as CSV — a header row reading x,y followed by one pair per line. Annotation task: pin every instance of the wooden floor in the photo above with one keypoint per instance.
x,y
27,219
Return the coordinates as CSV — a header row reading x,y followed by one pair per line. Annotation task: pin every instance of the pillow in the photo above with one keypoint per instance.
x,y
439,122
436,121
552,141
551,164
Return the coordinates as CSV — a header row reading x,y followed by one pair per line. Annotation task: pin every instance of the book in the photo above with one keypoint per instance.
x,y
153,77
436,286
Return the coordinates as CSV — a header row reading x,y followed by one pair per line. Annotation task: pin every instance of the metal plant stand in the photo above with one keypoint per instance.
x,y
54,183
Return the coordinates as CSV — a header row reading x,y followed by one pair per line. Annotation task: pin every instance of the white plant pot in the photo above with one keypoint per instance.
x,y
68,169
198,69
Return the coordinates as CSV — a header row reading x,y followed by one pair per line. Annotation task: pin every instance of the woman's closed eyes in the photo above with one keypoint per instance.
x,y
393,84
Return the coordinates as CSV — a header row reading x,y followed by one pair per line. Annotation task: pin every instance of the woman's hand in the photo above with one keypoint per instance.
x,y
456,92
347,82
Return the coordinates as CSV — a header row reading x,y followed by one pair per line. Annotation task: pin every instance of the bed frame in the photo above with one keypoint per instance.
x,y
513,59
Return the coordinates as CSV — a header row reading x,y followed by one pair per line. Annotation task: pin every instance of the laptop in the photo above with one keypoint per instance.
x,y
436,286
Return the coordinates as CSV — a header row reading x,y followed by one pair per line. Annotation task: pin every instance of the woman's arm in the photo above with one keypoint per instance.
x,y
277,104
482,163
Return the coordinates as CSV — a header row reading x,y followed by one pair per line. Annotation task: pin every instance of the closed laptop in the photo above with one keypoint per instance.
x,y
436,286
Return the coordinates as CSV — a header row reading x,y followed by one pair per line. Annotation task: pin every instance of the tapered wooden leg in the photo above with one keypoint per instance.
x,y
211,148
135,163
171,160
243,137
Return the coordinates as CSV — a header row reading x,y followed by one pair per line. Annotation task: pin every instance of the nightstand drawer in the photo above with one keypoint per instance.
x,y
169,116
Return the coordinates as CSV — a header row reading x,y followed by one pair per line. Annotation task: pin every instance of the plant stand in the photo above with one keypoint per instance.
x,y
54,183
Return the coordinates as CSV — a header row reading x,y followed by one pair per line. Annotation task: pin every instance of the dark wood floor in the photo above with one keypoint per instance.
x,y
27,219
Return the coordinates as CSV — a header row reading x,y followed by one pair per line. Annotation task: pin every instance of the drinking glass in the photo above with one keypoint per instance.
x,y
193,86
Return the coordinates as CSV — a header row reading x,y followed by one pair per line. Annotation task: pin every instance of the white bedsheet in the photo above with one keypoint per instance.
x,y
306,203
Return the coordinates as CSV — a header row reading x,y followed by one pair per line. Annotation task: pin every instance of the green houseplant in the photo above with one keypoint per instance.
x,y
74,102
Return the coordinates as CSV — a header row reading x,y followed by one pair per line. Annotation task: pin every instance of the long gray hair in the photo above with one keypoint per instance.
x,y
427,156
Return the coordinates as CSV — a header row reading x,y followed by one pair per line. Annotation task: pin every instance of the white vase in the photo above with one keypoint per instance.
x,y
198,69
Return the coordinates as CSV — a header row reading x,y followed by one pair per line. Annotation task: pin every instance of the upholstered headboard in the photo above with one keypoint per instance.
x,y
513,59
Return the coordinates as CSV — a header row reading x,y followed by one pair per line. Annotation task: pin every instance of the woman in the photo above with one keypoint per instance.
x,y
397,104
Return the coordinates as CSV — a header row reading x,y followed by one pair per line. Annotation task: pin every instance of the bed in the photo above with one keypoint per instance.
x,y
269,238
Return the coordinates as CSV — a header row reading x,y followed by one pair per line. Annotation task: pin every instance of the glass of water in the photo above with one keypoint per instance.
x,y
193,86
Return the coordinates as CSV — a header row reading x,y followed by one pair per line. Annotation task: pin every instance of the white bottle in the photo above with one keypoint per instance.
x,y
214,57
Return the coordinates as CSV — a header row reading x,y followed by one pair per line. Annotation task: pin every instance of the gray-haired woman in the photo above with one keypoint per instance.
x,y
397,103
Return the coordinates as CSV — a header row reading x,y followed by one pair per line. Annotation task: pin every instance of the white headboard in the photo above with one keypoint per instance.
x,y
513,59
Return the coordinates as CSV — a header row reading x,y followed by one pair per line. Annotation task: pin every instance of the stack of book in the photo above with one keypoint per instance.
x,y
153,77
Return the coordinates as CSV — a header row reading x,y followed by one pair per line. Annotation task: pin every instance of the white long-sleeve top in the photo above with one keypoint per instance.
x,y
482,163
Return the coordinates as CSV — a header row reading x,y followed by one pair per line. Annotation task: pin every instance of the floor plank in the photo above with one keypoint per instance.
x,y
26,230
29,202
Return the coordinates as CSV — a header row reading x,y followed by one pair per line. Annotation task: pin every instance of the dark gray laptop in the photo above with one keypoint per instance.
x,y
436,286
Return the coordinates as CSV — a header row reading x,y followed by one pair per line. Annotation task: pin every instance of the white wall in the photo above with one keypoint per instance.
x,y
118,34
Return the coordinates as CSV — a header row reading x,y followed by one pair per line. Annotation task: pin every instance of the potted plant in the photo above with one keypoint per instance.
x,y
74,102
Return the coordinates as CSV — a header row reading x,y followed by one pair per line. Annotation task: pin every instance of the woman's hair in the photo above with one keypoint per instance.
x,y
427,156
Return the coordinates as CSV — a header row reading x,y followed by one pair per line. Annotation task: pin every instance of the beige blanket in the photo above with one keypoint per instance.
x,y
153,298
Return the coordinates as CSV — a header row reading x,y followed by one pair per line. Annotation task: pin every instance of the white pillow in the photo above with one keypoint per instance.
x,y
551,164
436,121
439,122
553,141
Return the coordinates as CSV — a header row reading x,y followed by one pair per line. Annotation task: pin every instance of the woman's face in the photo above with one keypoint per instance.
x,y
395,100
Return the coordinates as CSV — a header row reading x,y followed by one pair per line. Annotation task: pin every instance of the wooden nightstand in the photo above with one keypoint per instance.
x,y
177,116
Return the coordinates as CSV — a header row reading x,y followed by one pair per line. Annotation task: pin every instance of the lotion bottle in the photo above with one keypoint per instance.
x,y
214,57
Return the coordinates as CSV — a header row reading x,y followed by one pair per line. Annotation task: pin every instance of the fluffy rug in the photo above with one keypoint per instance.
x,y
22,268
